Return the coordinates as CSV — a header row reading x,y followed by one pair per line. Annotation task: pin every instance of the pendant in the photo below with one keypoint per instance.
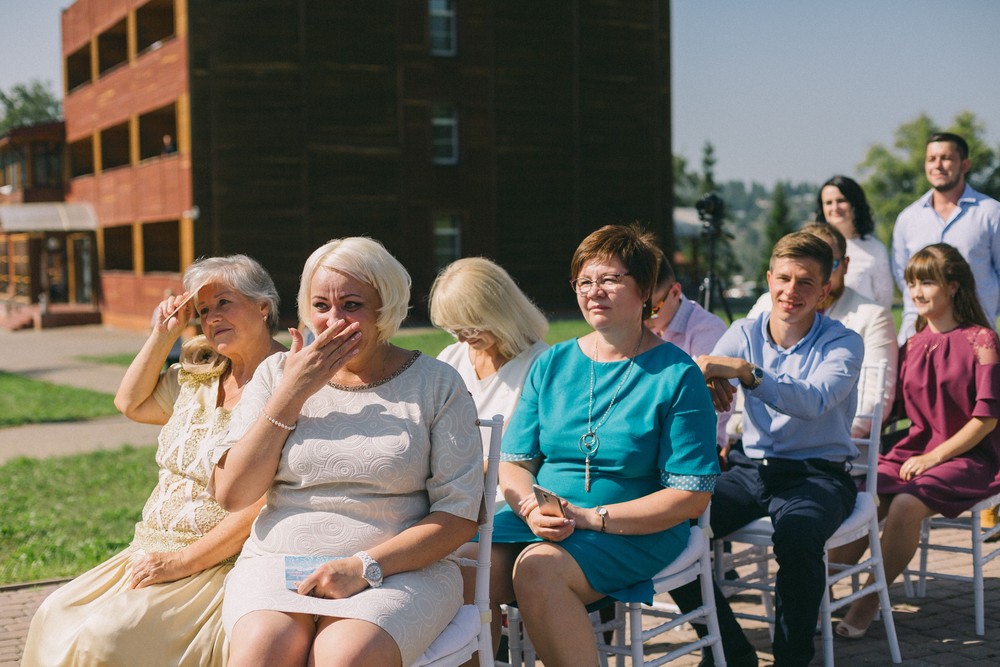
x,y
589,444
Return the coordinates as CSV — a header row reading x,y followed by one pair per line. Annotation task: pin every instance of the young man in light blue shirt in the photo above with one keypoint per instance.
x,y
951,212
799,370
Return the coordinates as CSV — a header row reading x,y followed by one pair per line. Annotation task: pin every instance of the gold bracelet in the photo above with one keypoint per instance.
x,y
284,427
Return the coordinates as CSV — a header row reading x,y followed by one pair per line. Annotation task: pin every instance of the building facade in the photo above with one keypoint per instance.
x,y
442,128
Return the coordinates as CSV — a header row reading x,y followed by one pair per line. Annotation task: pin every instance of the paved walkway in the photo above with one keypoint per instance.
x,y
54,355
936,630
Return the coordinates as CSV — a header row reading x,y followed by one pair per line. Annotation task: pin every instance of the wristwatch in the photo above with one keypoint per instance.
x,y
370,569
758,377
602,512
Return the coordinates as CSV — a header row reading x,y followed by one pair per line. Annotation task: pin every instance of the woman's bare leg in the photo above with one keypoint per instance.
x,y
899,541
552,592
263,638
349,642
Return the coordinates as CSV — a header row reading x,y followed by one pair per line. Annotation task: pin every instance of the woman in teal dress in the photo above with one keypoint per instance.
x,y
620,425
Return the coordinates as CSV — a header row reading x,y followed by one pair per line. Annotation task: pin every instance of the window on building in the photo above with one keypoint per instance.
x,y
118,248
444,35
78,68
158,132
154,24
161,246
46,165
444,134
447,239
112,48
114,146
11,171
81,157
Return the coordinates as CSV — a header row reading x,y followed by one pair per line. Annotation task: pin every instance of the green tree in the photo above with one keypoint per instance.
x,y
895,176
28,104
779,223
707,168
686,183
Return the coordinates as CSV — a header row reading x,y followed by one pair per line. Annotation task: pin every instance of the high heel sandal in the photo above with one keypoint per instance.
x,y
848,631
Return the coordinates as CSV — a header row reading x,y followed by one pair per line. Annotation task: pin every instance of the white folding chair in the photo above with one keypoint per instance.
x,y
469,631
862,522
695,562
981,552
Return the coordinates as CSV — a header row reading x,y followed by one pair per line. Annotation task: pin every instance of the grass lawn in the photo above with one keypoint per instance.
x,y
27,401
61,516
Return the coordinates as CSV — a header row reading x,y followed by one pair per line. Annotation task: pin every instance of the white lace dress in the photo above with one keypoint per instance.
x,y
362,465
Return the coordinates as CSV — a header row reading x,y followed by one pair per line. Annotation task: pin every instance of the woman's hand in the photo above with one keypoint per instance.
x,y
917,465
335,580
169,322
549,528
309,367
157,568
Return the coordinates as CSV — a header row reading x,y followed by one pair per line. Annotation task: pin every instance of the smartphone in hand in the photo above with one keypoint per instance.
x,y
548,502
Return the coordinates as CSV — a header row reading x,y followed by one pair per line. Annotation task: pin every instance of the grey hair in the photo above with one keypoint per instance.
x,y
240,272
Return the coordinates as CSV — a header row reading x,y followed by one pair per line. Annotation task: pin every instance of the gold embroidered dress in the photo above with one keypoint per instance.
x,y
96,619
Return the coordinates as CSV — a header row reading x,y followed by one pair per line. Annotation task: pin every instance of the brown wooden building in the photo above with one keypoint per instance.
x,y
48,260
443,128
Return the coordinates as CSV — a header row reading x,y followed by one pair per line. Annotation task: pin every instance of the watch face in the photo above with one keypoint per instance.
x,y
373,572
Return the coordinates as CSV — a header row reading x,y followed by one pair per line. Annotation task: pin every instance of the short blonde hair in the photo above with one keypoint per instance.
x,y
476,293
366,260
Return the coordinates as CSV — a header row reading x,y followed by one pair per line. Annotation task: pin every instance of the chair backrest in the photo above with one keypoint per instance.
x,y
482,596
872,382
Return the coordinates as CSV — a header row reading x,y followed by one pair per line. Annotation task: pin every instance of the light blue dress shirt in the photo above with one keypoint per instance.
x,y
973,228
806,402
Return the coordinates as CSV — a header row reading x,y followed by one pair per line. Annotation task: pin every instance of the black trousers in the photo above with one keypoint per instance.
x,y
807,501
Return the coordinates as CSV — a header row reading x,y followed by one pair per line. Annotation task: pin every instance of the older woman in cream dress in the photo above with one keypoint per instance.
x,y
159,602
372,465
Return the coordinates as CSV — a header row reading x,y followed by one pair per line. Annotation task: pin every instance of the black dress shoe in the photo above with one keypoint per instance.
x,y
748,659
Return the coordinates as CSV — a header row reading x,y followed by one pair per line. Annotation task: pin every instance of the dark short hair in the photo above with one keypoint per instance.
x,y
960,144
863,221
633,245
803,245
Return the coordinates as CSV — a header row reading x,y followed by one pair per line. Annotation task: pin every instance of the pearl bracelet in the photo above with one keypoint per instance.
x,y
284,427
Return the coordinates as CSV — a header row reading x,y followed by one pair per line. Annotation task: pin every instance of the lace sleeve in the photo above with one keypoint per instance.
x,y
985,345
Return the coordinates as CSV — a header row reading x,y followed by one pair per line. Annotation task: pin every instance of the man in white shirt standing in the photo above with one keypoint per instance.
x,y
951,212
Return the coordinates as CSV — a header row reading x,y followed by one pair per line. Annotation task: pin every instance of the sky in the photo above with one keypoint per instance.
x,y
783,89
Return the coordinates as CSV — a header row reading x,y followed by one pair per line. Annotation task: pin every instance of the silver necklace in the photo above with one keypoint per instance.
x,y
589,442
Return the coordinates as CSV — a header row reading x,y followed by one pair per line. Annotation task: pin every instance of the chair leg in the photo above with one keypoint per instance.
x,y
711,617
885,605
978,588
635,636
826,618
925,536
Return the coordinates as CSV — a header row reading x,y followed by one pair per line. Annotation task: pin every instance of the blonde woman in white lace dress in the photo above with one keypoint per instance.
x,y
372,465
159,601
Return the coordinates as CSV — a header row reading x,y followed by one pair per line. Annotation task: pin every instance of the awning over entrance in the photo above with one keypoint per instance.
x,y
47,217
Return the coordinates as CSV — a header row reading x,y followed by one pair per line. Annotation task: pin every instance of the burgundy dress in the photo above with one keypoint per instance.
x,y
944,380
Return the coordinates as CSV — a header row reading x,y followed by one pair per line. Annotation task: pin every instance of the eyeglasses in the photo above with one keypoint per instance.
x,y
609,282
469,332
